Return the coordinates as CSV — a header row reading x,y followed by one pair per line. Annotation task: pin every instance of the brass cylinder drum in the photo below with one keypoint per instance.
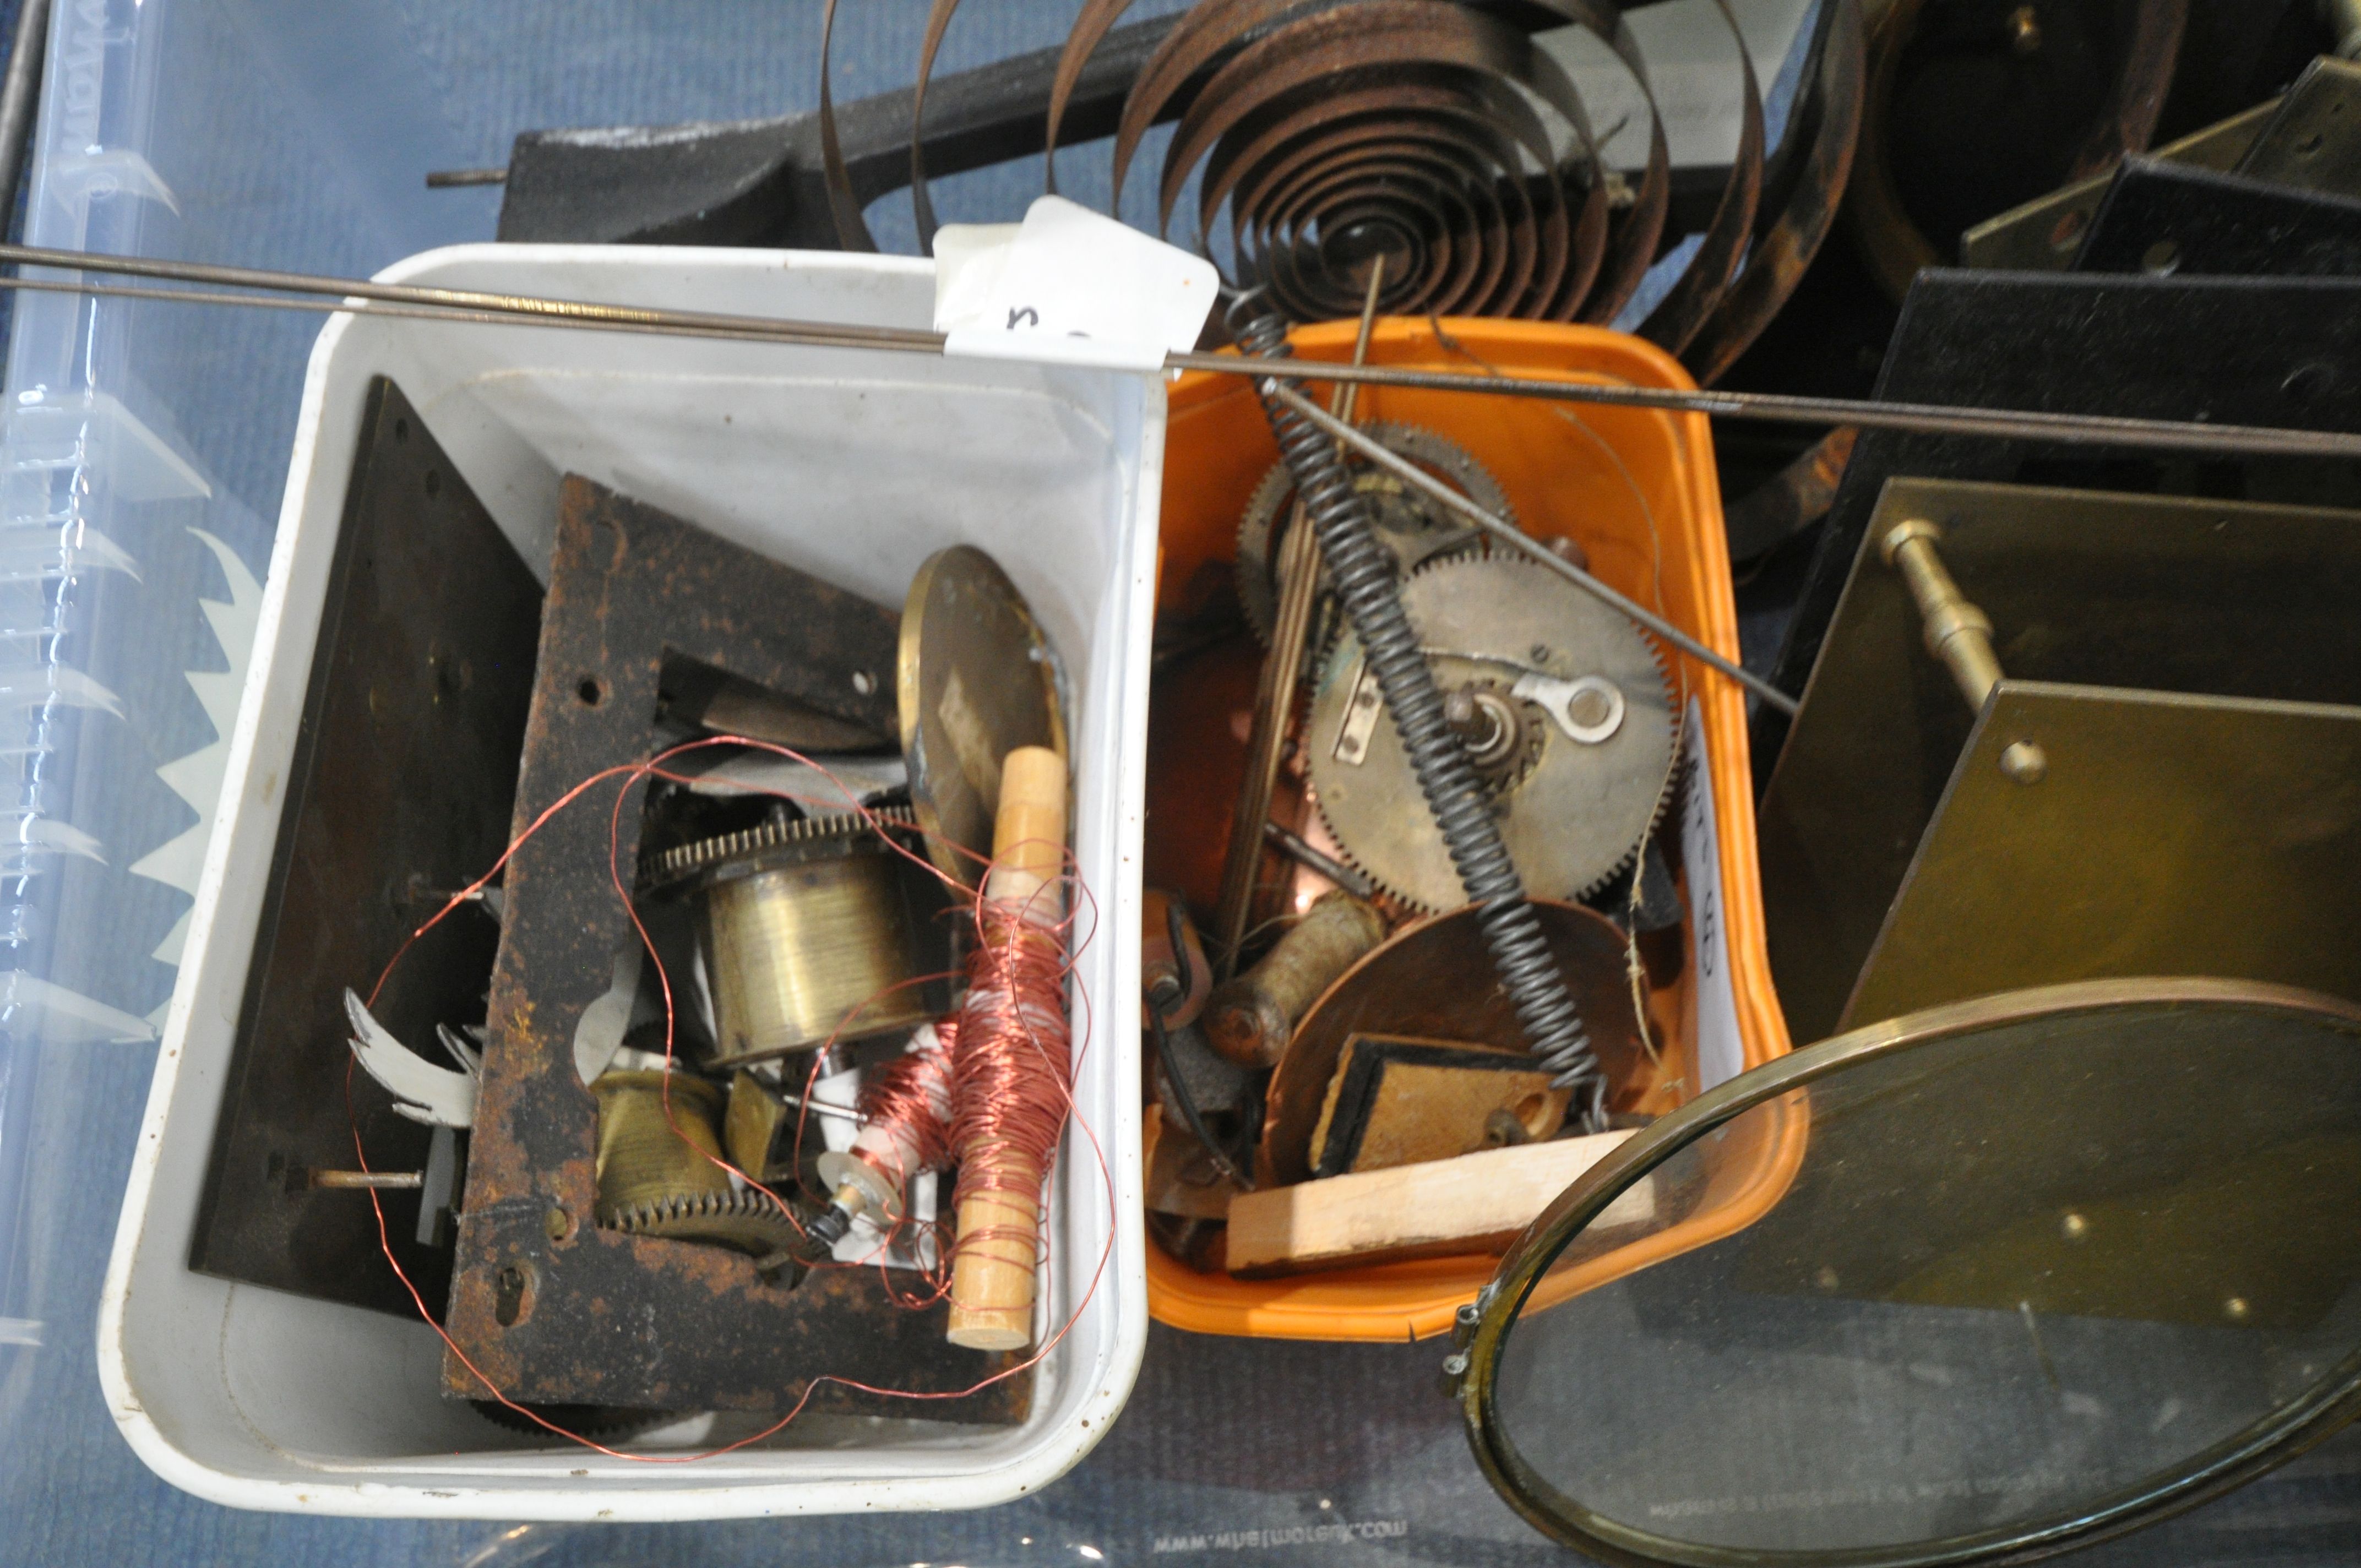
x,y
642,1158
795,953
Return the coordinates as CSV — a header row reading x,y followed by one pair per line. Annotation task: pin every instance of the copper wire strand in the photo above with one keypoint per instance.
x,y
938,1276
894,1093
1011,1074
905,1095
632,773
818,1054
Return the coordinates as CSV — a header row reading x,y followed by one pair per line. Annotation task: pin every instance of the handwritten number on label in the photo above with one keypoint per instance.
x,y
1024,315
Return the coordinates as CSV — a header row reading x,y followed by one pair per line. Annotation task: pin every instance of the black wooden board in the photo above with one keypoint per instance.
x,y
400,790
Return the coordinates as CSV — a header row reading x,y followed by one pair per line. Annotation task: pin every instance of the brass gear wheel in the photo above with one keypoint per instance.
x,y
1412,526
1589,693
1506,735
790,842
747,1222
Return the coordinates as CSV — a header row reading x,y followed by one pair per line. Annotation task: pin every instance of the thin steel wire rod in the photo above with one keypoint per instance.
x,y
816,339
1778,408
1411,472
570,312
459,304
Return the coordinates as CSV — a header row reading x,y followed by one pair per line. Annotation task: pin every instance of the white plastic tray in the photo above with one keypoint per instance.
x,y
854,467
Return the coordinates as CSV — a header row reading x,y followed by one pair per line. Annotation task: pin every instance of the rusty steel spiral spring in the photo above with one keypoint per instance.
x,y
1401,127
1429,132
1443,137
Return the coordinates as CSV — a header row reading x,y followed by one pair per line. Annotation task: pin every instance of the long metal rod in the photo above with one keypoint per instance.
x,y
370,1180
820,338
1298,586
1507,533
821,1107
459,304
1300,849
20,101
532,307
1925,418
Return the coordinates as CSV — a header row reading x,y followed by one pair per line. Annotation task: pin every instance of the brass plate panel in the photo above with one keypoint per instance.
x,y
2313,142
2138,594
2046,233
974,681
2169,836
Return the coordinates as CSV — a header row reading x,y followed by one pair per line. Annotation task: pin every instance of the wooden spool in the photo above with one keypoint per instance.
x,y
1000,1210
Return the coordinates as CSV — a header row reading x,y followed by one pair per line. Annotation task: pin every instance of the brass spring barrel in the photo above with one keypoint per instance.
x,y
805,933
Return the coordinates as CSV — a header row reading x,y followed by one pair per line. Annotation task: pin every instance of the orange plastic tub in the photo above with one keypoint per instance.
x,y
1636,488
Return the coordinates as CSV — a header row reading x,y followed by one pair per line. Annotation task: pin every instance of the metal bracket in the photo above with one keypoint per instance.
x,y
1558,699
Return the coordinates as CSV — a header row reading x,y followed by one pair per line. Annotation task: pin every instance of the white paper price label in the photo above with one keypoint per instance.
x,y
1068,286
1720,1055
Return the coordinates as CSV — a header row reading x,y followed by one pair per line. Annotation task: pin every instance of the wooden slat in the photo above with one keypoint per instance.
x,y
1477,1202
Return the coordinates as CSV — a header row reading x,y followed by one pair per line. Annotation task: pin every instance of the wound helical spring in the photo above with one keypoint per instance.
x,y
1363,575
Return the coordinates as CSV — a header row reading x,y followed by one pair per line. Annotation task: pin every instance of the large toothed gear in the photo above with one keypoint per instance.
x,y
1412,525
746,1222
1566,708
